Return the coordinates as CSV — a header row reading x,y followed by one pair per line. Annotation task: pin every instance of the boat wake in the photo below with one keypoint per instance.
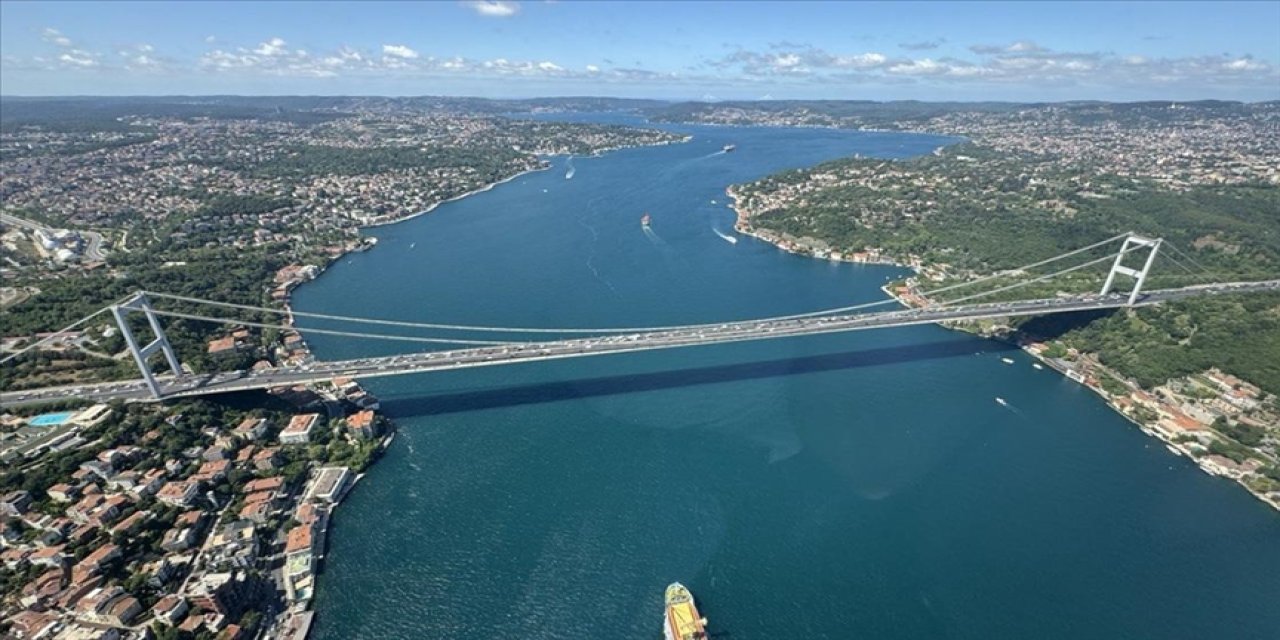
x,y
572,170
724,236
595,238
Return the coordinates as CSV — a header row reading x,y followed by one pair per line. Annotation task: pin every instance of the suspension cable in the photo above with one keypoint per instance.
x,y
1038,279
579,330
348,334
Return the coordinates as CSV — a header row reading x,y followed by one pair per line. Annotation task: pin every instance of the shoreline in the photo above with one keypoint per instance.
x,y
742,225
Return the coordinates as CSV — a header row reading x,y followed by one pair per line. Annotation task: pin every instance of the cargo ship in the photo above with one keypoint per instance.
x,y
683,621
644,221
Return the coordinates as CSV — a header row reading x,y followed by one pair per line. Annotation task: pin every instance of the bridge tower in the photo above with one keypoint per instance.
x,y
1136,242
141,354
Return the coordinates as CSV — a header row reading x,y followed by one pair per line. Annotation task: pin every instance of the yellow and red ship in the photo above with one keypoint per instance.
x,y
683,621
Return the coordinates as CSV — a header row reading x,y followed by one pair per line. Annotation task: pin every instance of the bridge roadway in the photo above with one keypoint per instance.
x,y
204,384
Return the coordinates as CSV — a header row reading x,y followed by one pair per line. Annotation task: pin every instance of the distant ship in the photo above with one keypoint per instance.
x,y
1001,402
1006,360
729,147
683,621
644,221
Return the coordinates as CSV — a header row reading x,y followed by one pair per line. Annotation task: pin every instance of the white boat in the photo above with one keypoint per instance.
x,y
1037,365
1001,402
1006,360
1174,450
412,245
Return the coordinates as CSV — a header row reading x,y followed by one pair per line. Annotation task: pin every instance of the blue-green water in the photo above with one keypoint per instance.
x,y
856,486
50,419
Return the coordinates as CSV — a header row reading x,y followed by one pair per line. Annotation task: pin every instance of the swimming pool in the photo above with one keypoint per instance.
x,y
50,419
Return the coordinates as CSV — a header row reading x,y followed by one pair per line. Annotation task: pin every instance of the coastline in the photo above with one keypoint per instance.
x,y
796,247
434,205
300,621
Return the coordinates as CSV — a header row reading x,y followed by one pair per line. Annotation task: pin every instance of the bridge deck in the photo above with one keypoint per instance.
x,y
196,385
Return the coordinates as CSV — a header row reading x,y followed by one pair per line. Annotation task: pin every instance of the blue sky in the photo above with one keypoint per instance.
x,y
878,51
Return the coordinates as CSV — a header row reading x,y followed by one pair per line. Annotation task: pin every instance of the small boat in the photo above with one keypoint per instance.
x,y
1037,365
1174,450
713,202
412,245
682,619
1006,360
729,147
644,221
1001,401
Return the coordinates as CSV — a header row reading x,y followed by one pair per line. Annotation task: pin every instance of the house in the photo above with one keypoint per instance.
x,y
216,452
178,493
273,484
93,563
300,429
171,609
15,503
109,605
267,459
128,525
33,624
300,563
179,539
222,346
63,492
150,483
52,557
228,594
329,484
212,472
363,424
257,512
252,428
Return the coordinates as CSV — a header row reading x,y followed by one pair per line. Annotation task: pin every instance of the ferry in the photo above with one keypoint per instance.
x,y
644,221
1006,360
729,147
1001,401
682,619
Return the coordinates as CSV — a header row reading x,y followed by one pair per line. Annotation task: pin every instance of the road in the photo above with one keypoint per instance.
x,y
203,384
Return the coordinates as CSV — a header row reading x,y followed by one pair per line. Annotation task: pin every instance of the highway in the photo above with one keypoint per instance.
x,y
204,384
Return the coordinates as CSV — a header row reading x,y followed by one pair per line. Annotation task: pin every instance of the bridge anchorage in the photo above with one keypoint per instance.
x,y
1132,242
142,354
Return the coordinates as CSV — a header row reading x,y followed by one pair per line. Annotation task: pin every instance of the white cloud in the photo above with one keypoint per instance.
x,y
79,58
49,34
272,47
399,51
1244,64
210,39
921,67
550,66
494,8
861,61
591,68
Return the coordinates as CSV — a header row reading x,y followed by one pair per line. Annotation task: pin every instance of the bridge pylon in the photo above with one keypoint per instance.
x,y
1132,243
142,353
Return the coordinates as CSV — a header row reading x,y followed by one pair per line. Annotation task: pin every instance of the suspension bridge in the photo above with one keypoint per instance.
x,y
479,346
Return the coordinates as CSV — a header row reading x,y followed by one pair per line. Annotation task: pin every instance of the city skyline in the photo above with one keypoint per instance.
x,y
958,51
